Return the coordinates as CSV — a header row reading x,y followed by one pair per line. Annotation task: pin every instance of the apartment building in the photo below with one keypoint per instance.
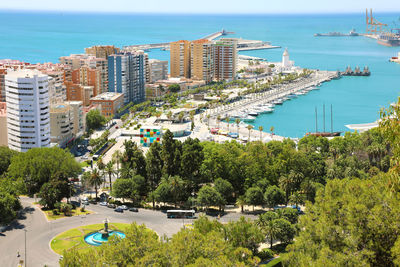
x,y
127,75
5,65
225,59
3,124
78,117
102,51
61,124
109,102
28,109
158,70
98,65
180,59
202,60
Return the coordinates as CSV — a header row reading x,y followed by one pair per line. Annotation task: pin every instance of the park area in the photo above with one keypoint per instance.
x,y
74,238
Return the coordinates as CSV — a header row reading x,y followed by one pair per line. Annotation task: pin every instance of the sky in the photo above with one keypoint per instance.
x,y
204,6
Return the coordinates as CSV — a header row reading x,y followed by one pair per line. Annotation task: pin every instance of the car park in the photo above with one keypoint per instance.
x,y
134,209
118,210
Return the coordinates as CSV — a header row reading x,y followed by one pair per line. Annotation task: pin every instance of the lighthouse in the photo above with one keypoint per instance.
x,y
285,59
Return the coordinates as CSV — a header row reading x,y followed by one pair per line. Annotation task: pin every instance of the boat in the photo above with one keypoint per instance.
x,y
253,113
337,34
248,118
389,39
324,133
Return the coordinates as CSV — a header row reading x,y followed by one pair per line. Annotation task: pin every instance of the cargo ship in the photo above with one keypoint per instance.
x,y
389,39
337,34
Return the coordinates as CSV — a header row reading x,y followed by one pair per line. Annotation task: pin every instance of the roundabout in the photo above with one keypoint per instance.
x,y
87,236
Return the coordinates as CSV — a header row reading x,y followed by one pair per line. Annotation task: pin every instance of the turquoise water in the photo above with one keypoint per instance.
x,y
43,37
96,239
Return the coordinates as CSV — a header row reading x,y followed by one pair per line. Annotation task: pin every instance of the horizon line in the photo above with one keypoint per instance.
x,y
187,13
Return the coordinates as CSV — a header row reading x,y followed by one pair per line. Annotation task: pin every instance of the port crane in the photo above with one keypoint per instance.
x,y
374,26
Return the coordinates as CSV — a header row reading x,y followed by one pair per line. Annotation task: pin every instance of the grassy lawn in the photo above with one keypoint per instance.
x,y
74,238
275,262
76,212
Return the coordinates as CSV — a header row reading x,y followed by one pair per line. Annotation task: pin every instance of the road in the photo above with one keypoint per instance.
x,y
40,231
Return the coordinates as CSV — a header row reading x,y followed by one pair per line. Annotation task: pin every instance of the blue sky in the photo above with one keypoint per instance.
x,y
205,6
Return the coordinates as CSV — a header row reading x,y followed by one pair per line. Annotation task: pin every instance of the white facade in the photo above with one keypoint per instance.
x,y
28,111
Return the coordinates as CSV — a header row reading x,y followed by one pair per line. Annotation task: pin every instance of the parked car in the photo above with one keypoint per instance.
x,y
112,206
103,203
85,202
118,210
123,207
134,209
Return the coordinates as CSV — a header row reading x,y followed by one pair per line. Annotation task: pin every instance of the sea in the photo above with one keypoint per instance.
x,y
44,37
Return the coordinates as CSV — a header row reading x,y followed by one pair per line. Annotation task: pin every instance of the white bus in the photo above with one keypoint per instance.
x,y
187,214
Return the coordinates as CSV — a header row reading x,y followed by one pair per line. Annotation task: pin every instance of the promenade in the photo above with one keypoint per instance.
x,y
263,98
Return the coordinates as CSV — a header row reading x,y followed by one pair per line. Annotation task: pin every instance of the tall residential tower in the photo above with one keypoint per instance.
x,y
28,111
127,75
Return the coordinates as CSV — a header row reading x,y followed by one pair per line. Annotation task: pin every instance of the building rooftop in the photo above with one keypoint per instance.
x,y
25,73
107,96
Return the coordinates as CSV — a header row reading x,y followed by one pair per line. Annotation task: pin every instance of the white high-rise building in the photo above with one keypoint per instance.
x,y
28,109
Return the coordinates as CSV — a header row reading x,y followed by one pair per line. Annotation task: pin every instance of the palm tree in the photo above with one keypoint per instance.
x,y
109,169
218,119
169,115
95,180
180,116
116,157
260,128
272,130
297,199
237,121
227,121
101,166
249,127
241,202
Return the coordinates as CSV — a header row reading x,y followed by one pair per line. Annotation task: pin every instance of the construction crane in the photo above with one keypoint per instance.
x,y
374,26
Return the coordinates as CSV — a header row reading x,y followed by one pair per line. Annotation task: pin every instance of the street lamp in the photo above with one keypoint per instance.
x,y
25,247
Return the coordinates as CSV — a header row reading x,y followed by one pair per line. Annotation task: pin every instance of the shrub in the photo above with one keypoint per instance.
x,y
55,212
83,209
265,254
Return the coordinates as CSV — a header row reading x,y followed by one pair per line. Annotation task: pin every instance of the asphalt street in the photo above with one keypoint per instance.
x,y
40,232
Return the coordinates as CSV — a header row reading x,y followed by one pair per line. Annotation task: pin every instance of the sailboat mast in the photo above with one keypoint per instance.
x,y
331,120
324,118
316,120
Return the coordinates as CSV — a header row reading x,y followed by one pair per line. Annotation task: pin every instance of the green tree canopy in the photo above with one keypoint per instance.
x,y
6,155
36,166
254,196
208,196
353,222
174,88
274,196
94,119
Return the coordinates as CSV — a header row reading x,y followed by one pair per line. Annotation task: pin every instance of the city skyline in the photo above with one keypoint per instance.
x,y
220,7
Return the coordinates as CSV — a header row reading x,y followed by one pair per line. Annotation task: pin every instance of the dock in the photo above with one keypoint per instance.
x,y
243,44
165,46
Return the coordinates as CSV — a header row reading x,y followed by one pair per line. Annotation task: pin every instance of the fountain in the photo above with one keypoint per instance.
x,y
101,236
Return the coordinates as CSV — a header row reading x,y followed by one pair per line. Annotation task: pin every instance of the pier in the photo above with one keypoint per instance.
x,y
165,46
243,44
